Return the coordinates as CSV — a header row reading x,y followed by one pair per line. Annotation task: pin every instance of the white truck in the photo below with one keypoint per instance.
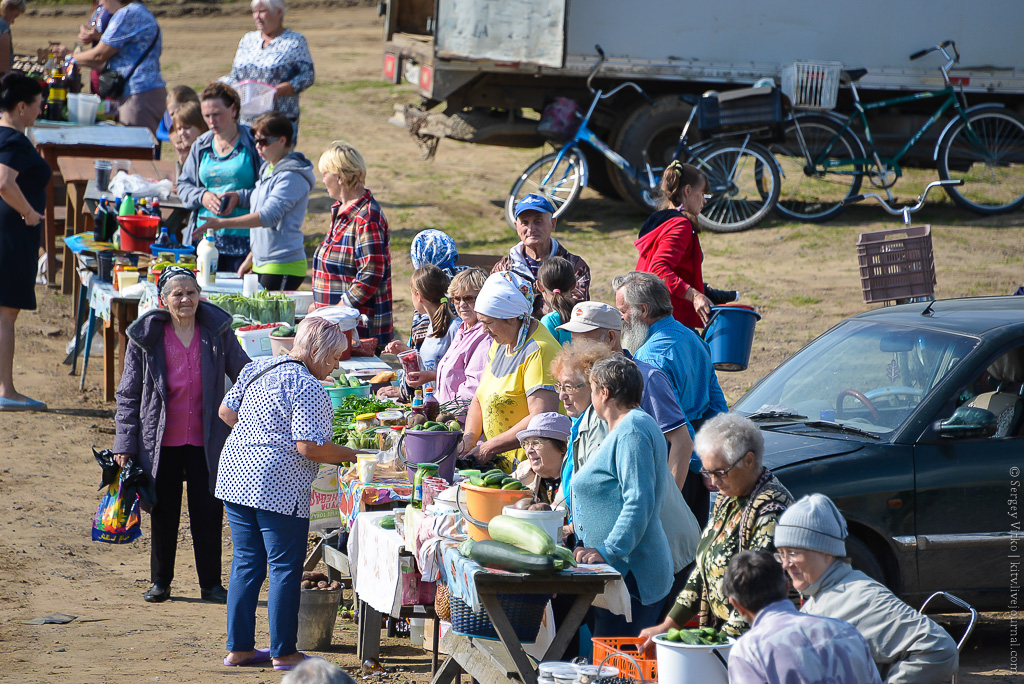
x,y
486,68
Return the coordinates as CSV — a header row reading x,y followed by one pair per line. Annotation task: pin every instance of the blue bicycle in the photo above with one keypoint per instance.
x,y
742,174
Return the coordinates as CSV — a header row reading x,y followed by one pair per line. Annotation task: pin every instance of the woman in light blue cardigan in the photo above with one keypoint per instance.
x,y
617,496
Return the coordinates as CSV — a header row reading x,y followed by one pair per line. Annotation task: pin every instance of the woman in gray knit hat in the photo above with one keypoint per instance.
x,y
906,646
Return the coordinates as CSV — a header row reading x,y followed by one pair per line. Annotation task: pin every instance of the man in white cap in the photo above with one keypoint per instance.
x,y
905,645
601,322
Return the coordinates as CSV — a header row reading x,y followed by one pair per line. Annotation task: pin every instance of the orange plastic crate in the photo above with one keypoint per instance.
x,y
620,650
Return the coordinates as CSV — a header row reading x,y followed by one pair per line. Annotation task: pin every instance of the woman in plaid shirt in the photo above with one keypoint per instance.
x,y
352,266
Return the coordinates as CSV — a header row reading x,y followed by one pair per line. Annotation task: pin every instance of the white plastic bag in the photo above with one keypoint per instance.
x,y
138,186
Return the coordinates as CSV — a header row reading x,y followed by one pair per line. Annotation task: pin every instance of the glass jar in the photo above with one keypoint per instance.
x,y
423,471
187,260
547,672
365,421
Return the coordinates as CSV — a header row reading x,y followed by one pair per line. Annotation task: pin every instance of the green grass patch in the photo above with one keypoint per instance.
x,y
803,300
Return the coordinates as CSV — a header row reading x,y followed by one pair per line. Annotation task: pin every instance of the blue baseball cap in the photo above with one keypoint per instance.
x,y
534,203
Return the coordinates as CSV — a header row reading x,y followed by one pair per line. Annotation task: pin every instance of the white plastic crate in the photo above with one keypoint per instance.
x,y
256,342
257,98
812,85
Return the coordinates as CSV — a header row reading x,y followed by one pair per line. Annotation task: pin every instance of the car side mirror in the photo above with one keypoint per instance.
x,y
968,421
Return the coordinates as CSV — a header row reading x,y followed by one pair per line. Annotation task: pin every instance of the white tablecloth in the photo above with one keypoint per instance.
x,y
373,557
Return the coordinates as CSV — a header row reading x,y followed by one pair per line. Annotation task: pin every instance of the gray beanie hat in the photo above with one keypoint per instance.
x,y
812,523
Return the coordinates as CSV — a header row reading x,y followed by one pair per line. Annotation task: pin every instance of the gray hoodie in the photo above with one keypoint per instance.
x,y
907,647
280,199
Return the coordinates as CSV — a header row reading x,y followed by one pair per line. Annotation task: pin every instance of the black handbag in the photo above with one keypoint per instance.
x,y
112,84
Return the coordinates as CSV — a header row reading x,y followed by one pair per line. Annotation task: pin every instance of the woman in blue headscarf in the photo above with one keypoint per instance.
x,y
431,247
517,383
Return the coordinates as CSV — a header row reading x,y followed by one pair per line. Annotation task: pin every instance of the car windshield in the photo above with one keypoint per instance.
x,y
861,374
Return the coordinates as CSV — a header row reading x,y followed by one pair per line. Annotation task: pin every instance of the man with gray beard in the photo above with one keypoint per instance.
x,y
653,336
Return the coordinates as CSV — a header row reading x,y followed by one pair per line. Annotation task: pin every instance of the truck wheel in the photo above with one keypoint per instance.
x,y
654,129
600,173
864,559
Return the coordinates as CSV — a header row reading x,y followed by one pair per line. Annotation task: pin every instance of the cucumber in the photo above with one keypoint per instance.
x,y
476,481
388,522
492,479
513,486
522,534
493,471
466,547
672,634
494,554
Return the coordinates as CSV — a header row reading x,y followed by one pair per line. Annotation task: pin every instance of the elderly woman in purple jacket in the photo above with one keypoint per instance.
x,y
167,404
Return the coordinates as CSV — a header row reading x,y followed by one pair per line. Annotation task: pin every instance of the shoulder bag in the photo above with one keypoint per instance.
x,y
112,84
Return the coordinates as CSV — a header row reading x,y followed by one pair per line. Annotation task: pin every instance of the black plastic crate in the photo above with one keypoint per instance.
x,y
734,111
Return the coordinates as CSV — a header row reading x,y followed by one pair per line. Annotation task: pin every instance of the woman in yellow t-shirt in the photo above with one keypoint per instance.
x,y
517,383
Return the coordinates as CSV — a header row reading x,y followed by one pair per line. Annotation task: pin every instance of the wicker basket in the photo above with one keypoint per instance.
x,y
441,602
524,611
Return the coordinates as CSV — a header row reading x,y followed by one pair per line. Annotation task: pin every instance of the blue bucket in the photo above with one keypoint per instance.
x,y
730,334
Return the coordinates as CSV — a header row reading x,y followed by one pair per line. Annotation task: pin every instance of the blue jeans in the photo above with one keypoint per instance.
x,y
262,538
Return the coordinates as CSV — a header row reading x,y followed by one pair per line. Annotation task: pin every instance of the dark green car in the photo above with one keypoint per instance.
x,y
911,418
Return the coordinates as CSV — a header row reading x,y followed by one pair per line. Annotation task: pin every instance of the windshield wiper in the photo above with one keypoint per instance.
x,y
849,429
776,415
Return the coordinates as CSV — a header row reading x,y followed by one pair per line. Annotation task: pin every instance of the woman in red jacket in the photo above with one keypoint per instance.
x,y
669,243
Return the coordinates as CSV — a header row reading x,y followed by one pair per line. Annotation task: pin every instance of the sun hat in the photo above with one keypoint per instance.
x,y
550,425
812,523
588,316
533,203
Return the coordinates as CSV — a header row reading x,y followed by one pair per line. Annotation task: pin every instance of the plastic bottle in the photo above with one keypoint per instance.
x,y
104,222
127,207
164,239
431,407
141,208
154,206
206,260
417,404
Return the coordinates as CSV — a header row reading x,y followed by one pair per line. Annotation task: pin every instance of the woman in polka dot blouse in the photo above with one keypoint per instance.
x,y
281,417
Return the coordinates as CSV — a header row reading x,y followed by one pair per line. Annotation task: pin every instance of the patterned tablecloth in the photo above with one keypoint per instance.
x,y
458,573
355,495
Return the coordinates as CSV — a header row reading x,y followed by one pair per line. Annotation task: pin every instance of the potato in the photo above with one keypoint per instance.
x,y
416,419
321,584
335,585
306,584
446,417
523,504
539,507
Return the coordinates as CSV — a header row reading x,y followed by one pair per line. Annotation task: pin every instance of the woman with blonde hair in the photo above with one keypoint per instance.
x,y
352,266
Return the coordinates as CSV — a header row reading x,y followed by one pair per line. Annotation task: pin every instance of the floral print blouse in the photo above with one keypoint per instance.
x,y
737,524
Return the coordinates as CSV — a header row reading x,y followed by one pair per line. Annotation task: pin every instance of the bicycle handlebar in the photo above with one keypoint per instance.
x,y
597,67
941,47
911,209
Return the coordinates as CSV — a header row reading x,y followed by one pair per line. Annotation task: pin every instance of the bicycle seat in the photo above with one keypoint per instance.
x,y
853,75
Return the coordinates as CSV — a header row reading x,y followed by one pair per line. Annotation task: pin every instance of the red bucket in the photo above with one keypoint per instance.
x,y
138,232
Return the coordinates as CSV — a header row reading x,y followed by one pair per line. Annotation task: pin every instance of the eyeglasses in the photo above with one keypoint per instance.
x,y
719,473
570,389
788,556
468,299
532,445
262,142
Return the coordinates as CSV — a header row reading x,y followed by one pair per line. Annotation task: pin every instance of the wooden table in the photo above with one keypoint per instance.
x,y
77,172
73,140
498,662
123,311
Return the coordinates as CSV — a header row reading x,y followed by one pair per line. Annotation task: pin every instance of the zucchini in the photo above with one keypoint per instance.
x,y
494,554
521,534
564,554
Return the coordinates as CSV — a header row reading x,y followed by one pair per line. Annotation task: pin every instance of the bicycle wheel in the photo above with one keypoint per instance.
x,y
810,191
744,185
564,184
989,158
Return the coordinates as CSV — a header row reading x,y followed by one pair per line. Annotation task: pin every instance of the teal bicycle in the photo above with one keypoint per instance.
x,y
824,162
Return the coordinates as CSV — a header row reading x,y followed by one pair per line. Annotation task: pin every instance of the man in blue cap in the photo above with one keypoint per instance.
x,y
534,225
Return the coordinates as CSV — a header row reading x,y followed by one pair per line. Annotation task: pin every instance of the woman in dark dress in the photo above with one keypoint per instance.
x,y
24,176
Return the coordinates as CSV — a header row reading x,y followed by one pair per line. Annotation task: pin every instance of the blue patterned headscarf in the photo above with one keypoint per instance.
x,y
435,247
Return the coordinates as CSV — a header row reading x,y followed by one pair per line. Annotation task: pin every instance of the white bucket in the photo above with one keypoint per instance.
x,y
549,521
689,664
82,108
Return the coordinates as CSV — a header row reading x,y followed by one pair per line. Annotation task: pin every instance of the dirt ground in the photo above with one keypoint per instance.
x,y
802,279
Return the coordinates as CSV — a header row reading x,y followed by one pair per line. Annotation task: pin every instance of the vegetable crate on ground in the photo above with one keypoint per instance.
x,y
624,653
